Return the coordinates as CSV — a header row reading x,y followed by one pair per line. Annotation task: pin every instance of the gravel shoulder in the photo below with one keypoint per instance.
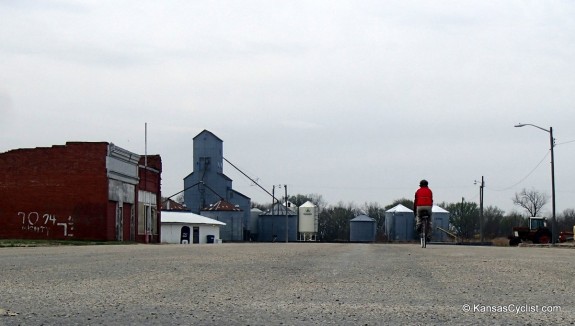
x,y
287,284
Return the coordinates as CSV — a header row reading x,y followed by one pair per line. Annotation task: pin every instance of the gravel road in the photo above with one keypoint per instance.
x,y
286,284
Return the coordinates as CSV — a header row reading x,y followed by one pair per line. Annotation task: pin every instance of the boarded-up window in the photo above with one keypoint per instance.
x,y
154,220
141,218
147,213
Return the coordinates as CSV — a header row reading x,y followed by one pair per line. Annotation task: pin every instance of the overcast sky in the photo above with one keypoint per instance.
x,y
353,100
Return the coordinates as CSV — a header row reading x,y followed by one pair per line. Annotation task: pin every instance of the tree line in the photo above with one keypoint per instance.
x,y
464,220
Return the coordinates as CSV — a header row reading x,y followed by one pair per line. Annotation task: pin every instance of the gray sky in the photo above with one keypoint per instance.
x,y
353,100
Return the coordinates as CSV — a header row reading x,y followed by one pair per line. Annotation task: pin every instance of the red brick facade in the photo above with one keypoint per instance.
x,y
150,181
65,192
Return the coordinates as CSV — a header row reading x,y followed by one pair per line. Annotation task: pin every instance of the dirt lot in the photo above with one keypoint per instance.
x,y
286,284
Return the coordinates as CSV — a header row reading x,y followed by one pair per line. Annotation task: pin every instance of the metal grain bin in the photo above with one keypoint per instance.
x,y
399,224
362,229
439,218
272,224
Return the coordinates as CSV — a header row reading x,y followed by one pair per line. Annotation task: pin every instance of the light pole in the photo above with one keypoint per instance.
x,y
481,222
552,140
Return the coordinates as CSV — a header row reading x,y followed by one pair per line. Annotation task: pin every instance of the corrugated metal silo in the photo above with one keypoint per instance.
x,y
272,224
308,221
399,223
362,229
253,223
439,218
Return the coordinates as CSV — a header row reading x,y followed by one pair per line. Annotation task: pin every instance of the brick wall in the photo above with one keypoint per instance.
x,y
58,192
150,180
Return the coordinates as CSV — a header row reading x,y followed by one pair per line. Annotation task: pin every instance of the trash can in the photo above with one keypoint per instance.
x,y
210,238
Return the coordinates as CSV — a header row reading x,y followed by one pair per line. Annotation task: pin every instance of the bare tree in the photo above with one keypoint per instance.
x,y
492,222
464,219
376,212
567,220
316,199
531,200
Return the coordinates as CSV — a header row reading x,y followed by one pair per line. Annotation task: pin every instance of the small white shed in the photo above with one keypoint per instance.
x,y
187,227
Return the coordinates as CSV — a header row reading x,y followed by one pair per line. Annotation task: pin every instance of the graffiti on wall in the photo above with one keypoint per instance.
x,y
47,224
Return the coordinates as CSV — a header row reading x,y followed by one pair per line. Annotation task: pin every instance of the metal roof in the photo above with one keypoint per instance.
x,y
205,131
222,205
363,218
187,218
308,204
279,209
402,209
437,209
399,209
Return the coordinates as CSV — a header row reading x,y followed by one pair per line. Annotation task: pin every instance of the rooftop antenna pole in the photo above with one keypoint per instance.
x,y
148,220
481,220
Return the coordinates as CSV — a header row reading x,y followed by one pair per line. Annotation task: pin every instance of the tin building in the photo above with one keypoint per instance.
x,y
208,184
232,217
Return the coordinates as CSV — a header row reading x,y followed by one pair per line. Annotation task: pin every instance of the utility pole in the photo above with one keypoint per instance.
x,y
272,212
554,233
287,234
481,220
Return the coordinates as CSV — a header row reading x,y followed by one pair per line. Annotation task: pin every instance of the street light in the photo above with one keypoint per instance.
x,y
481,222
552,140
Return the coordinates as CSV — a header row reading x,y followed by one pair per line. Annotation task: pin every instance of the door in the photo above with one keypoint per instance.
x,y
196,234
119,221
185,235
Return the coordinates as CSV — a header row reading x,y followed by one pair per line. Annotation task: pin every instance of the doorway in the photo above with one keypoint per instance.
x,y
185,235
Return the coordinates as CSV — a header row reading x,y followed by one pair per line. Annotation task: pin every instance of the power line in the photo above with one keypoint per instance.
x,y
527,176
565,142
251,179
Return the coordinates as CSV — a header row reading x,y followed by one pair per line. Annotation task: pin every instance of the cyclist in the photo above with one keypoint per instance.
x,y
423,201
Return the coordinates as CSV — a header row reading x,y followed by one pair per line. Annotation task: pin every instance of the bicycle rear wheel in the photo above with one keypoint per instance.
x,y
424,236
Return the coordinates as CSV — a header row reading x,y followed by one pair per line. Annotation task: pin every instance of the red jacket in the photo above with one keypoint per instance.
x,y
423,197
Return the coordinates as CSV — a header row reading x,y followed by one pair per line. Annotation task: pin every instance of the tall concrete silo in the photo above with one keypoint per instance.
x,y
308,222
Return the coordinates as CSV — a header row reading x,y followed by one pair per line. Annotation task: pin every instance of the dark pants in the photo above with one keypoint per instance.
x,y
419,220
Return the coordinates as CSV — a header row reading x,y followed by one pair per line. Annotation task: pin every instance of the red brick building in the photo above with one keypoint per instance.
x,y
80,191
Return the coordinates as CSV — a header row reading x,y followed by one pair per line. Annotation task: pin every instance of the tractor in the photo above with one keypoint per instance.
x,y
537,232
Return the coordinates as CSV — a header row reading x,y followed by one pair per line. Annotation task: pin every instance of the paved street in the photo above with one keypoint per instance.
x,y
286,284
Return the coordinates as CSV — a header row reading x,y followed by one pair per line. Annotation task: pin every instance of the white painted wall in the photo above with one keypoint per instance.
x,y
171,232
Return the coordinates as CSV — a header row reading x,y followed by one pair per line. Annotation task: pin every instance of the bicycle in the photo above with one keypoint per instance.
x,y
425,227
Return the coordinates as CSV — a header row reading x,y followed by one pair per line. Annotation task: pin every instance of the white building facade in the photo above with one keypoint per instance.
x,y
189,228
